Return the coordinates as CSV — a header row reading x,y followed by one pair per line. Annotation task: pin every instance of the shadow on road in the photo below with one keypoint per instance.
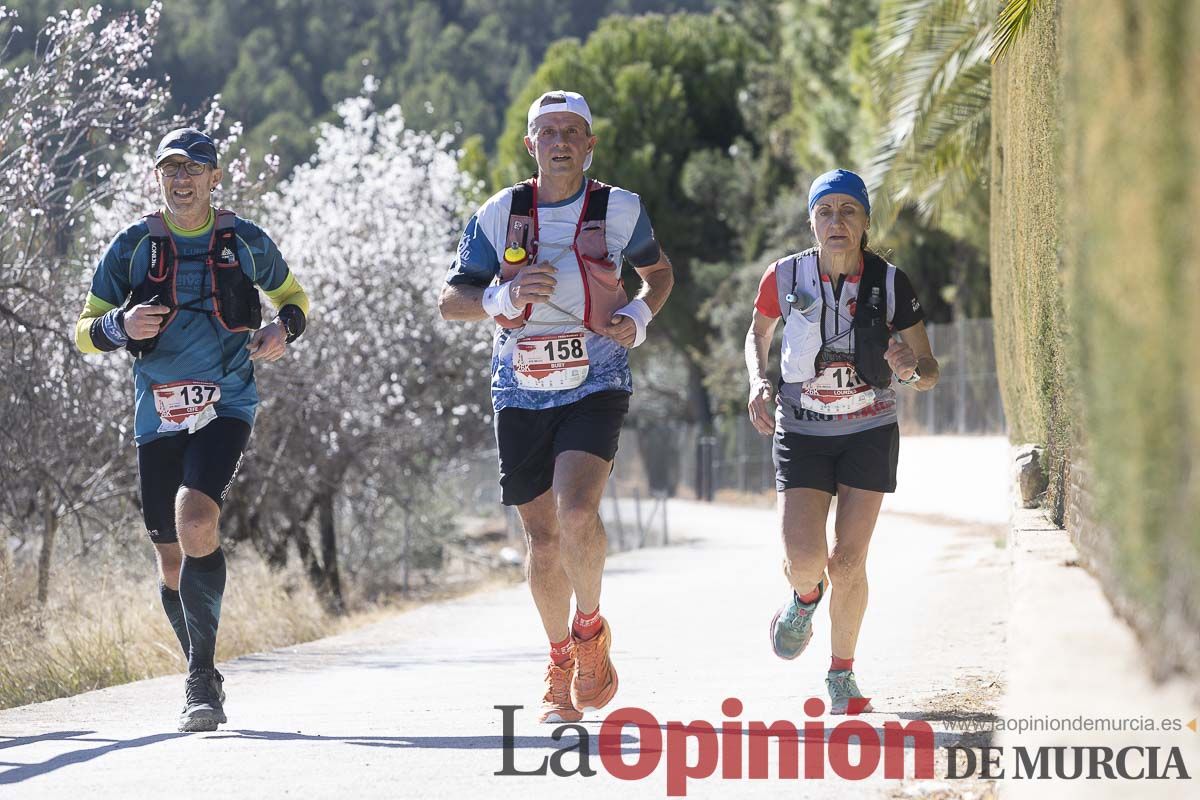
x,y
428,742
21,741
910,740
629,744
318,660
24,772
968,728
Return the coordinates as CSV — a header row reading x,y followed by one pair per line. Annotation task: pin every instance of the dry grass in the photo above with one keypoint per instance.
x,y
102,629
108,627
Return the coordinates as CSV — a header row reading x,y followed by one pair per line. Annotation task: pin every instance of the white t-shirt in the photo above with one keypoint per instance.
x,y
627,229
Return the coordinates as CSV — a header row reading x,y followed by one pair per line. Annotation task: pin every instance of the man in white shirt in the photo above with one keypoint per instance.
x,y
544,259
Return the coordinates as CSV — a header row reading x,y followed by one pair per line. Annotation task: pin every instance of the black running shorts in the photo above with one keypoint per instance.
x,y
206,461
863,460
530,440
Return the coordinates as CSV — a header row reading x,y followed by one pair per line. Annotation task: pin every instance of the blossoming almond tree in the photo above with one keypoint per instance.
x,y
380,394
65,108
374,403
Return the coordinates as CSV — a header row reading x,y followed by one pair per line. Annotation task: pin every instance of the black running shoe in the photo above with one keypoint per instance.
x,y
220,679
203,708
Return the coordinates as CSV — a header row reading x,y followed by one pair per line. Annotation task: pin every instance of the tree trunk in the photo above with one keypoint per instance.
x,y
661,452
698,399
49,534
307,557
329,556
5,564
329,590
701,409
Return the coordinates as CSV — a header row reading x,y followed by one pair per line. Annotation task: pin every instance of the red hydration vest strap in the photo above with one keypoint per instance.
x,y
604,291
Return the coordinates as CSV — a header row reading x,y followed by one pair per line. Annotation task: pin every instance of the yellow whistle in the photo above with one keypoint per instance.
x,y
514,255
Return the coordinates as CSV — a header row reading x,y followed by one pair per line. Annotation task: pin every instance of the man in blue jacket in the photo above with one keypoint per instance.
x,y
179,290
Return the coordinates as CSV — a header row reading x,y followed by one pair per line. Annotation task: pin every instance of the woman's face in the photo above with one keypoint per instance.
x,y
838,222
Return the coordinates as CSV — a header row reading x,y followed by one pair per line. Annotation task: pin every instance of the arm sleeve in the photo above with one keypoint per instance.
x,y
110,287
908,309
271,273
477,263
93,309
289,293
767,301
643,249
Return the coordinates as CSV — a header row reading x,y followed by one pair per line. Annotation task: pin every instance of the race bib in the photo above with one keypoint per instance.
x,y
837,389
185,405
552,362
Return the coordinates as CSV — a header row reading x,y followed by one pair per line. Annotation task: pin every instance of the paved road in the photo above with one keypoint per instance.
x,y
405,708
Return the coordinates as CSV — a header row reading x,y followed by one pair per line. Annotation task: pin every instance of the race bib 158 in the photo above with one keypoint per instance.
x,y
552,362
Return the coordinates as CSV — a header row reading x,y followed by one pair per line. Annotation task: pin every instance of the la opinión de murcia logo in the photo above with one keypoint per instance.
x,y
1092,763
852,750
738,749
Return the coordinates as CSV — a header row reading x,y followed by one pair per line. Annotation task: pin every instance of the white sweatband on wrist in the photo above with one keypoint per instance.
x,y
640,313
497,301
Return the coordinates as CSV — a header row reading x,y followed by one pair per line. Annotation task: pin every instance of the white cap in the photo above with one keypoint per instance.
x,y
560,100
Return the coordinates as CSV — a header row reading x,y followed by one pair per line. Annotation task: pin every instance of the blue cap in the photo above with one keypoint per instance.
x,y
839,181
189,143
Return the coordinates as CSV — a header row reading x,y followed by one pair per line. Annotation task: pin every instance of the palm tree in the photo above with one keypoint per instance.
x,y
1014,19
932,78
931,74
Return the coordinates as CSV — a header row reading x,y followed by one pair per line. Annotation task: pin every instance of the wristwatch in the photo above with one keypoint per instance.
x,y
916,376
291,319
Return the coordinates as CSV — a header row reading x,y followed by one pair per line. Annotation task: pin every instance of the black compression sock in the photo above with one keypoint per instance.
x,y
174,608
201,585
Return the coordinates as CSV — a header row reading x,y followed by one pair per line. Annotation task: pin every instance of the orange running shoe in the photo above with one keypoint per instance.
x,y
595,680
556,703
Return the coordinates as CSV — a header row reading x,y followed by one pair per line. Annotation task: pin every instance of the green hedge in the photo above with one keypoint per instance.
x,y
1027,298
1132,158
1095,212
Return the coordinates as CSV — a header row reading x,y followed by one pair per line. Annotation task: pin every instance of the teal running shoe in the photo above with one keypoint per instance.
x,y
844,696
791,629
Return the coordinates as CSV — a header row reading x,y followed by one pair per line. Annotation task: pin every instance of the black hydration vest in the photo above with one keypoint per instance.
x,y
871,332
236,304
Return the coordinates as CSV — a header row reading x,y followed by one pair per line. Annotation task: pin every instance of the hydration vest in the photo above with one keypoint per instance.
x,y
604,291
236,304
871,330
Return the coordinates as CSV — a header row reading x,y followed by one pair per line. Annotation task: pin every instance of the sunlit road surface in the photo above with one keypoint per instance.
x,y
406,708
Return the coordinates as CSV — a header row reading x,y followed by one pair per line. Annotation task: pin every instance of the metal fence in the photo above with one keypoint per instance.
x,y
634,512
658,459
967,400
